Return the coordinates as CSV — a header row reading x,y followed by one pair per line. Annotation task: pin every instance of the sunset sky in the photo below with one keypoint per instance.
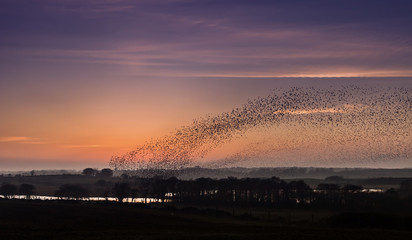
x,y
82,80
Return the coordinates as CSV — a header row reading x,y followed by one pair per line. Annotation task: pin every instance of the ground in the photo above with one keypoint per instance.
x,y
22,219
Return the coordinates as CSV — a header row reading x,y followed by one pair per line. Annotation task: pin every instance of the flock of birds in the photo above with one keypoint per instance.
x,y
348,123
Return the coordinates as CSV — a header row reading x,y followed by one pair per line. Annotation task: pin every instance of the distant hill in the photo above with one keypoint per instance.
x,y
283,172
41,172
238,172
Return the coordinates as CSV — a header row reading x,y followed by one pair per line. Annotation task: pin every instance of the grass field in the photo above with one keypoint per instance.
x,y
22,219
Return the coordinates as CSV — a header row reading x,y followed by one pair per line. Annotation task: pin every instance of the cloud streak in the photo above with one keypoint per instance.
x,y
21,140
192,39
85,146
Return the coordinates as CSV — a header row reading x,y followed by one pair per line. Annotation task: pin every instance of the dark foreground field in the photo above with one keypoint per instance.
x,y
21,219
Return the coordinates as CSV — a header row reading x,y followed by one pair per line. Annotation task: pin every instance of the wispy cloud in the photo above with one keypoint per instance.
x,y
92,6
85,146
21,140
34,142
345,108
159,38
14,139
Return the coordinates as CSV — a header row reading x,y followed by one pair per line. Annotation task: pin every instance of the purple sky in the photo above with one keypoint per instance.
x,y
81,80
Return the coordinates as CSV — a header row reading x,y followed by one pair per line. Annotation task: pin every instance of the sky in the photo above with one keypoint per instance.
x,y
82,80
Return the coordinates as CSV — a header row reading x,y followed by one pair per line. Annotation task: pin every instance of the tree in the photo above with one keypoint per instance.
x,y
328,187
329,194
121,190
171,186
144,187
102,183
89,172
106,173
125,176
350,188
8,190
300,189
71,191
405,189
27,189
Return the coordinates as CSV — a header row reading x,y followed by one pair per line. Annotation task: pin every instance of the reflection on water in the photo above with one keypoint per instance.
x,y
372,190
111,199
133,200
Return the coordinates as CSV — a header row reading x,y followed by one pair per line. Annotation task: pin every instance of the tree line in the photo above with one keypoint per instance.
x,y
244,192
271,192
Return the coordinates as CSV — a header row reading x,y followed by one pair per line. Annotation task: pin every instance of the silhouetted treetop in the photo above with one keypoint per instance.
x,y
8,190
27,189
121,190
71,191
90,172
106,173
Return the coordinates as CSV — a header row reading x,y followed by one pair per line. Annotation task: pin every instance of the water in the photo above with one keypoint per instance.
x,y
134,200
96,199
